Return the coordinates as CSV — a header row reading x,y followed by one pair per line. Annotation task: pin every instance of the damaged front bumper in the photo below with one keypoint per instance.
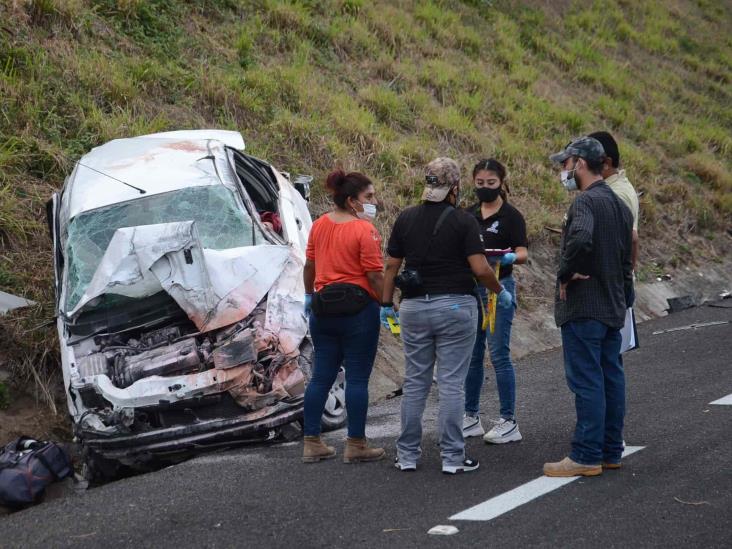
x,y
164,416
135,450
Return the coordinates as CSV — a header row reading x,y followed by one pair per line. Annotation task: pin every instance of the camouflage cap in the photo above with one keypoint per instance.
x,y
442,175
585,147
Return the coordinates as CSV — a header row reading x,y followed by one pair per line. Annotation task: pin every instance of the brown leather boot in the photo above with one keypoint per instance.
x,y
357,449
315,449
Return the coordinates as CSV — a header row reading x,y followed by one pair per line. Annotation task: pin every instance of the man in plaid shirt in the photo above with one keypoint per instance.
x,y
595,270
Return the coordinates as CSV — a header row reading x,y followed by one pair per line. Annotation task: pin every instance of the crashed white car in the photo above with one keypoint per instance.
x,y
180,311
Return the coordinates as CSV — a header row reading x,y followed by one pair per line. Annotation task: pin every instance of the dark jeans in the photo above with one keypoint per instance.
x,y
595,376
499,345
352,339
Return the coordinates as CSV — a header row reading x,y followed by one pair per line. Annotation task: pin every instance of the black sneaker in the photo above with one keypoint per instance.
x,y
404,466
467,466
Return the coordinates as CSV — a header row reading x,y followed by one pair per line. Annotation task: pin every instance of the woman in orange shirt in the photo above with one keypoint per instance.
x,y
345,268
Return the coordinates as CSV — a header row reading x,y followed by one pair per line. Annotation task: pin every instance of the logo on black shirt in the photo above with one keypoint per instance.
x,y
493,228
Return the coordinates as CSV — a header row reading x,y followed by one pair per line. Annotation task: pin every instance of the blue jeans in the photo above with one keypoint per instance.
x,y
352,339
595,375
499,345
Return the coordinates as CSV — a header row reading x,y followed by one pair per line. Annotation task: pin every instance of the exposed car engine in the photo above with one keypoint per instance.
x,y
169,351
160,352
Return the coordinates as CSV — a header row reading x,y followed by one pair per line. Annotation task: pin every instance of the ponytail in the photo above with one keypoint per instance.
x,y
343,186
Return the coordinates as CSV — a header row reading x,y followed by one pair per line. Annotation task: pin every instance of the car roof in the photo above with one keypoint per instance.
x,y
157,163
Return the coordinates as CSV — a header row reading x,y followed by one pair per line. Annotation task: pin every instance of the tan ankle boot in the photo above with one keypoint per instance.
x,y
569,468
357,449
315,449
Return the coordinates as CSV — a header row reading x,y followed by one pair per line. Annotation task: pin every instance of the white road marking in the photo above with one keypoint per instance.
x,y
443,530
508,501
724,401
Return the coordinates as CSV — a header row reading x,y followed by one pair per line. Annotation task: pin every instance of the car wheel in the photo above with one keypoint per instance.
x,y
334,415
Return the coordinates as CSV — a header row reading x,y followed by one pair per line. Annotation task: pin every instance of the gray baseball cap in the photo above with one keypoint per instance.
x,y
585,147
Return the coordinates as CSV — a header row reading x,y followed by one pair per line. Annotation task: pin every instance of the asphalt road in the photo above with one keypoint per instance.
x,y
676,492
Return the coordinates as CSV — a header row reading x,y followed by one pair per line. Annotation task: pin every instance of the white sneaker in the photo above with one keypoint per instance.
x,y
404,466
472,427
505,430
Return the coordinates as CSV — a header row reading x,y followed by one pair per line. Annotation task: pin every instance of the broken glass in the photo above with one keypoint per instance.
x,y
221,223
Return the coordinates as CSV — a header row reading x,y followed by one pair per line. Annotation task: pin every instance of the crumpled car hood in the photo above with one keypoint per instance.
x,y
215,288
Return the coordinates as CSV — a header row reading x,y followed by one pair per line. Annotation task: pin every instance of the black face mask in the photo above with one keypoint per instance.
x,y
485,194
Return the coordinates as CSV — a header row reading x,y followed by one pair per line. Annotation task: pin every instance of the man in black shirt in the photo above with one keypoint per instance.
x,y
595,270
443,251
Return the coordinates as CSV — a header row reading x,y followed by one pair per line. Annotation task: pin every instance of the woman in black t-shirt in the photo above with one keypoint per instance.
x,y
502,227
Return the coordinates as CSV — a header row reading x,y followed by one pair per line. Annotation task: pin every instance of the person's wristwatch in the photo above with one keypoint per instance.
x,y
388,304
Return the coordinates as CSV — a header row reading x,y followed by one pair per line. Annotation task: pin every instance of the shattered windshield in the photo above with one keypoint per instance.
x,y
221,223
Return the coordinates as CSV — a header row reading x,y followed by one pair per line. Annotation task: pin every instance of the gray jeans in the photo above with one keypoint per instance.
x,y
439,328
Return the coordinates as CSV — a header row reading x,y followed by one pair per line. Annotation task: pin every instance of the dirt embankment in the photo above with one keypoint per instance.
x,y
31,408
27,416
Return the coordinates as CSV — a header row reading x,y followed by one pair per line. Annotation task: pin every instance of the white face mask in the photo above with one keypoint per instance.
x,y
368,213
569,183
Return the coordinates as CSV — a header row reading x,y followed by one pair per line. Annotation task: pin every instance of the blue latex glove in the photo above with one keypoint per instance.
x,y
308,303
387,312
508,259
505,299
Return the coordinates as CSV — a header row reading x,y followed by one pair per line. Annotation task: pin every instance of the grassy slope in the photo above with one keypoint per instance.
x,y
376,86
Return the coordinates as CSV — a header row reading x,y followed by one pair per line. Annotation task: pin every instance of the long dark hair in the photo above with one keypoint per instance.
x,y
342,186
493,165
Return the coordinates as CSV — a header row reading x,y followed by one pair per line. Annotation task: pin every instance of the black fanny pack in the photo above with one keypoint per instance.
x,y
340,300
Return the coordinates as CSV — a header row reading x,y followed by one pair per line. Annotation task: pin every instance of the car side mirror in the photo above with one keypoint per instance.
x,y
302,184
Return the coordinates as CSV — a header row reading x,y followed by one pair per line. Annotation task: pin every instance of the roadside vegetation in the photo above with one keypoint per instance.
x,y
378,86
